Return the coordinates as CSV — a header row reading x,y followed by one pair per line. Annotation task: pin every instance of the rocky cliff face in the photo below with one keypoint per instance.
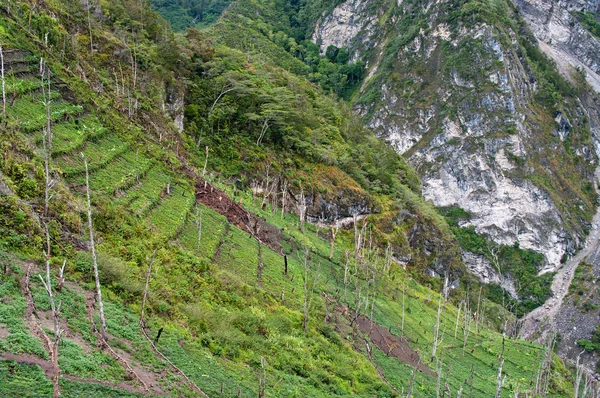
x,y
463,95
562,38
453,88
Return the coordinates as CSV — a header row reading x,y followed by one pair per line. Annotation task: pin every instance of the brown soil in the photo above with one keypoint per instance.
x,y
3,332
46,366
220,202
393,346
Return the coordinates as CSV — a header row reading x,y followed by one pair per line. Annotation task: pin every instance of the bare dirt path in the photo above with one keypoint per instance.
x,y
541,321
393,346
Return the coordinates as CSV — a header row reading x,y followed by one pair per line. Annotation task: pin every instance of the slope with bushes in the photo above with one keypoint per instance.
x,y
243,296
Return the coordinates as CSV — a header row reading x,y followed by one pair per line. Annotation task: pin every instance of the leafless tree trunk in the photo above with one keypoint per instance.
x,y
578,375
439,367
47,134
302,209
457,318
359,239
49,183
436,331
262,381
403,308
55,314
412,380
466,325
205,163
93,249
199,226
145,297
259,261
260,265
477,314
3,82
387,264
346,265
499,380
283,198
308,289
334,231
61,276
471,377
89,20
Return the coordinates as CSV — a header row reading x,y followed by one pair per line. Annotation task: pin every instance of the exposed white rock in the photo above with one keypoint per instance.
x,y
342,25
480,266
509,211
562,38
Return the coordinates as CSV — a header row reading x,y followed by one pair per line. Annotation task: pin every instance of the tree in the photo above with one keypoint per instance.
x,y
93,249
499,379
145,296
334,231
49,183
3,81
308,289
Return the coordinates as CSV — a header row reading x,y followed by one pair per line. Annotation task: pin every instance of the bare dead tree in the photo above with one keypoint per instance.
x,y
61,276
262,380
93,249
269,186
403,308
436,330
199,226
471,377
283,198
205,162
346,268
477,314
3,81
48,184
499,380
47,134
446,289
302,209
578,375
89,21
308,289
466,324
387,264
439,368
412,379
457,318
145,296
259,260
333,234
359,240
55,310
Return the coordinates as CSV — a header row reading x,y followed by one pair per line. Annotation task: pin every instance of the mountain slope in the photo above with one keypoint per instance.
x,y
227,309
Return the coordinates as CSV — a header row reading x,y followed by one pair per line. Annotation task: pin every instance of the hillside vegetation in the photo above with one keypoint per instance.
x,y
244,296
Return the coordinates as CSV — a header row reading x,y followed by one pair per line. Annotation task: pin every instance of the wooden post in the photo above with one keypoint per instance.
x,y
158,336
285,269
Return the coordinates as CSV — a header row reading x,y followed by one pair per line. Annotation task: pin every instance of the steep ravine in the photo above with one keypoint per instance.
x,y
539,323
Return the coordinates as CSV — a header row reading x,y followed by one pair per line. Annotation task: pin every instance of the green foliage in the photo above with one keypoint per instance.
x,y
294,117
552,85
183,14
522,265
589,21
593,344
